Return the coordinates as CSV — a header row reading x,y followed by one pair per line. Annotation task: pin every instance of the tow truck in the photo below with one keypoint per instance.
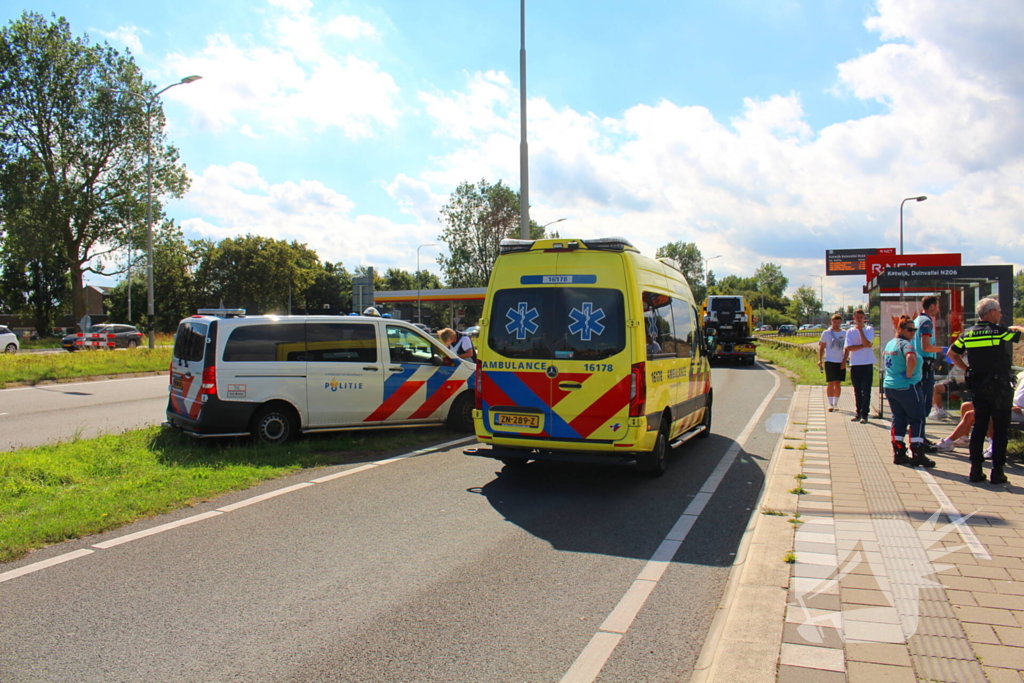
x,y
727,321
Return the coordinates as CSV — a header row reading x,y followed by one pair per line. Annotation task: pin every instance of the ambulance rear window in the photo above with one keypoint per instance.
x,y
190,341
568,323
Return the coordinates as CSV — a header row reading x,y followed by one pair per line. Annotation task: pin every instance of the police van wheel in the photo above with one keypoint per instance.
x,y
655,463
274,424
460,415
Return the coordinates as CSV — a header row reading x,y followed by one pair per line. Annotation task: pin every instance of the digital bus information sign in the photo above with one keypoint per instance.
x,y
851,261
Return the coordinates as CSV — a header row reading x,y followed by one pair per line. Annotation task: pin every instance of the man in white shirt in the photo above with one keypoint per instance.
x,y
833,361
860,358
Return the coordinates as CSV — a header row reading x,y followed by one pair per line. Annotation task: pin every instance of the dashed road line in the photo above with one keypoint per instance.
x,y
601,646
145,533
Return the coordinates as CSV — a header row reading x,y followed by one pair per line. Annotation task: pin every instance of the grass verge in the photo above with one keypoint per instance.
x,y
25,368
54,493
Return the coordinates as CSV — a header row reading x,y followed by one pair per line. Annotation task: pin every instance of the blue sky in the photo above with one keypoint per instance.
x,y
763,130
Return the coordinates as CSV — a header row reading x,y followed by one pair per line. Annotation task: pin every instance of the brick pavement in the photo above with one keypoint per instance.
x,y
901,574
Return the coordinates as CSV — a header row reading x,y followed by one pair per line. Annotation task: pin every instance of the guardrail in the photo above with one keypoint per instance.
x,y
807,348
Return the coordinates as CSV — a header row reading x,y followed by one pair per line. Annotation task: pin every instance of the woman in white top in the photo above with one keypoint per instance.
x,y
831,346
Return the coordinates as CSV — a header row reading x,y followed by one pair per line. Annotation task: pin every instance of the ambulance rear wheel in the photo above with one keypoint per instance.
x,y
274,424
706,422
655,463
460,415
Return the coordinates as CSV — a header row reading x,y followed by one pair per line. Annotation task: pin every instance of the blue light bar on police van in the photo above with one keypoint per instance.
x,y
223,312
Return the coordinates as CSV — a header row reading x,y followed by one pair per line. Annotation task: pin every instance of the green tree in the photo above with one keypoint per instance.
x,y
804,303
331,289
691,263
396,279
476,218
770,279
257,273
1018,294
76,155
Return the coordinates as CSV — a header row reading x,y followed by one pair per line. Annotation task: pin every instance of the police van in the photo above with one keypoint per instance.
x,y
589,351
275,376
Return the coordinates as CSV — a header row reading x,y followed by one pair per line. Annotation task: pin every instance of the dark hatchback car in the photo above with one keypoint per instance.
x,y
100,337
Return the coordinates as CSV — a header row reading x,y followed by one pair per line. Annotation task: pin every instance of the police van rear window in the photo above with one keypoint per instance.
x,y
266,343
190,341
570,323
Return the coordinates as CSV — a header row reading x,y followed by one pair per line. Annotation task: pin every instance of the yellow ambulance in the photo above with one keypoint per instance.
x,y
590,352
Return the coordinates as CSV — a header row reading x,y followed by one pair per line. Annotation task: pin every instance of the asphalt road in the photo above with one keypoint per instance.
x,y
48,413
435,567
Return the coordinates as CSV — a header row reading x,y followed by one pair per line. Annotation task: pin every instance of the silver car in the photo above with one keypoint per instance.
x,y
8,340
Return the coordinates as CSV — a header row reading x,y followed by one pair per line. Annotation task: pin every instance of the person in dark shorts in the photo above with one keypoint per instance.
x,y
831,348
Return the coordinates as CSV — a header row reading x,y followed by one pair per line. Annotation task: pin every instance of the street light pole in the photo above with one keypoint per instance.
x,y
821,291
553,222
916,199
524,154
419,302
149,102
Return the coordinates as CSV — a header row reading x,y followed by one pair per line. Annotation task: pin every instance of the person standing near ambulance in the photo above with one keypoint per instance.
x,y
460,343
902,386
988,348
860,357
926,354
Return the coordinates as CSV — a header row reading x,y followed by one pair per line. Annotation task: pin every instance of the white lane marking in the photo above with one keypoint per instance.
x,y
344,473
263,496
43,564
77,384
157,529
105,545
592,659
595,655
978,549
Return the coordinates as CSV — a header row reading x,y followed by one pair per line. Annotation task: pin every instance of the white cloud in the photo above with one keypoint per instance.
x,y
763,186
301,77
227,201
127,36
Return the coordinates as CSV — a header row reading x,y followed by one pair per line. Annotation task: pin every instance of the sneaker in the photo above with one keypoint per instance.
x,y
863,420
962,442
938,414
988,449
831,409
998,478
855,418
944,446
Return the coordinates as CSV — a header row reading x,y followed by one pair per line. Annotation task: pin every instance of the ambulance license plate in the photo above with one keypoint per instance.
x,y
531,421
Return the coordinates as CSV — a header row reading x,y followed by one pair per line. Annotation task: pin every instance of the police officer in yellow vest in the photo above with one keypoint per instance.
x,y
988,347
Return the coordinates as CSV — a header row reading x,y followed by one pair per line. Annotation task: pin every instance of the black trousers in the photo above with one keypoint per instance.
x,y
861,377
993,399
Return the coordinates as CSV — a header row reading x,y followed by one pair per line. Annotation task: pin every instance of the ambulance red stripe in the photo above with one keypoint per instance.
x,y
599,412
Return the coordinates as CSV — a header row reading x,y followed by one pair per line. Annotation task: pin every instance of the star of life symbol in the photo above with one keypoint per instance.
x,y
586,322
522,320
905,558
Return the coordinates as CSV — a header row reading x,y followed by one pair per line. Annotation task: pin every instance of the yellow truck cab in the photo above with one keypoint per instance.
x,y
588,351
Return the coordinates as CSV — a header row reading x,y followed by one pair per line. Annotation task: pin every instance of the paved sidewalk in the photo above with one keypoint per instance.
x,y
901,574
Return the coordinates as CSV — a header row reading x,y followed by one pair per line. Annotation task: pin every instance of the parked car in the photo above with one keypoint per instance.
x,y
101,337
472,332
8,340
786,330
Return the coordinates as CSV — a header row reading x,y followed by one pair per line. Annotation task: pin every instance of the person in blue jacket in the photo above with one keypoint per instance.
x,y
902,385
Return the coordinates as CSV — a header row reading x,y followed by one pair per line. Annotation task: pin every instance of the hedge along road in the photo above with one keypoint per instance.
x,y
48,413
436,566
